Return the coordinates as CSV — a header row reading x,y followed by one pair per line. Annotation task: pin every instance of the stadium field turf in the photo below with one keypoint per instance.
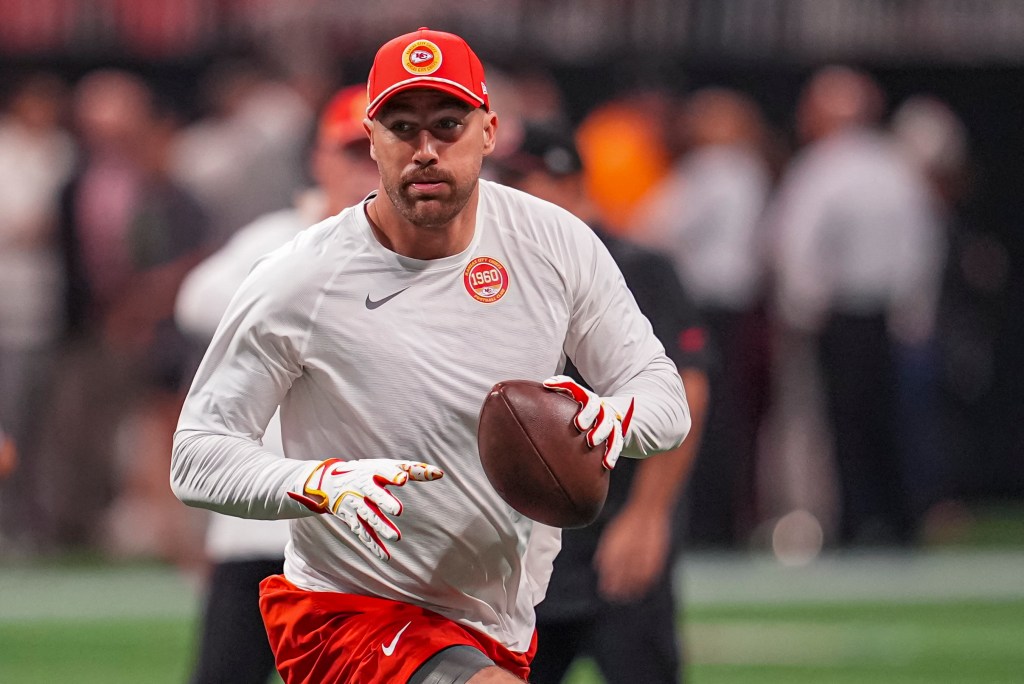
x,y
948,617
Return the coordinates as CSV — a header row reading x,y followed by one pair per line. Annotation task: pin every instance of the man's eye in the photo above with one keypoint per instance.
x,y
401,127
449,124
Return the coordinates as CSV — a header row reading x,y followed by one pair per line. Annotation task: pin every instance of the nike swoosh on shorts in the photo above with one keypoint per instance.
x,y
390,648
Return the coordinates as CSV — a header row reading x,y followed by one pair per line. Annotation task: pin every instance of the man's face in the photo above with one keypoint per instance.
x,y
429,148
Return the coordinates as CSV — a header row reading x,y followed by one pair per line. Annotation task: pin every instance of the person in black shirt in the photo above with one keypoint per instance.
x,y
611,594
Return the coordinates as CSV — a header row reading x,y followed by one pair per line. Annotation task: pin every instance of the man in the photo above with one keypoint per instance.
x,y
233,640
705,215
36,158
611,595
369,333
127,234
859,252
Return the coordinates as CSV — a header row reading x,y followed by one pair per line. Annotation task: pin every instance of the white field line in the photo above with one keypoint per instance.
x,y
888,644
28,593
751,643
891,577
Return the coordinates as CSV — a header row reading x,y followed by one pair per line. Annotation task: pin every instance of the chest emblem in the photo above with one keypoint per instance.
x,y
486,279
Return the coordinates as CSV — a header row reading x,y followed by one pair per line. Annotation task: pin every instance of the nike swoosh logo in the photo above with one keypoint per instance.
x,y
390,648
370,304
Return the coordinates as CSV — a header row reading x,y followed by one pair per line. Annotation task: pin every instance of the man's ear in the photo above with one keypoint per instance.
x,y
368,127
490,132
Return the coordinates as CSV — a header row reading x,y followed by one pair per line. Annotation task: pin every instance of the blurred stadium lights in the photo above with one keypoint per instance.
x,y
565,31
797,538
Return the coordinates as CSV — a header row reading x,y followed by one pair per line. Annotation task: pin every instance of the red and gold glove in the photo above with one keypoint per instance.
x,y
356,491
596,417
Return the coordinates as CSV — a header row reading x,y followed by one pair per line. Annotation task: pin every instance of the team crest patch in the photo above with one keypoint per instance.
x,y
486,279
421,57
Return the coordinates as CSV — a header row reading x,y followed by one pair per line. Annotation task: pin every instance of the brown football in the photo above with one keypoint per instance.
x,y
535,457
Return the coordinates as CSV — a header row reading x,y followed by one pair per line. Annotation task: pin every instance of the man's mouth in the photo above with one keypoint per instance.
x,y
426,186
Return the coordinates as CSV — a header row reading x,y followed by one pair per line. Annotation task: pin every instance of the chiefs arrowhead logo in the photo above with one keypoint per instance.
x,y
421,57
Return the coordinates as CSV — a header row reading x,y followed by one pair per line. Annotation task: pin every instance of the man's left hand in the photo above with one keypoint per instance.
x,y
632,554
596,417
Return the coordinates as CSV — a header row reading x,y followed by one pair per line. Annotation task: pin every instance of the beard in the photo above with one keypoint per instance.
x,y
429,210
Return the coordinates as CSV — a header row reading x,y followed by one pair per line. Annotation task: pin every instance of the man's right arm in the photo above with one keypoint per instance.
x,y
218,461
229,475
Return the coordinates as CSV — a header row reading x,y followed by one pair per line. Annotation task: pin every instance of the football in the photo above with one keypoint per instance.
x,y
536,459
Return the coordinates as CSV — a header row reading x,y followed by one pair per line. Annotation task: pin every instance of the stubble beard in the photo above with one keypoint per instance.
x,y
433,212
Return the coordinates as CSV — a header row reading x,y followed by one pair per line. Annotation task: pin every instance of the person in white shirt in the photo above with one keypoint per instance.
x,y
36,159
254,122
706,216
233,645
379,332
858,258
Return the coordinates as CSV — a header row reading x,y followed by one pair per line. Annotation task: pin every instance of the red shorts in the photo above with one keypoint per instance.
x,y
329,637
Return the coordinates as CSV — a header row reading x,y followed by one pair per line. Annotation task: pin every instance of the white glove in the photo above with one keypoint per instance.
x,y
356,491
596,417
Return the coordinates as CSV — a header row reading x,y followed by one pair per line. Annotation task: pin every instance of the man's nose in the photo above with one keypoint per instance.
x,y
426,149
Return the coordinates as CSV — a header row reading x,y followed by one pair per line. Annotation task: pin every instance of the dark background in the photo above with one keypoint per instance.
x,y
968,53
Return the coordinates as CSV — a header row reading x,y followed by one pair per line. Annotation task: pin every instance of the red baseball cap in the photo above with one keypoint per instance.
x,y
426,59
341,122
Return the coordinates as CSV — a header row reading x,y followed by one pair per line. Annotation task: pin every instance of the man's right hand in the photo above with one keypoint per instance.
x,y
356,492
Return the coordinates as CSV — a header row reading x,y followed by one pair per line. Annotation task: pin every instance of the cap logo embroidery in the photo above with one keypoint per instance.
x,y
421,57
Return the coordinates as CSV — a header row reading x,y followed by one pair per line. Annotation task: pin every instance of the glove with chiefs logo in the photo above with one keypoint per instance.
x,y
596,417
356,491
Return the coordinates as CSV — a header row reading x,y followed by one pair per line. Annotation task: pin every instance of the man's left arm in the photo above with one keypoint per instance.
x,y
613,346
636,545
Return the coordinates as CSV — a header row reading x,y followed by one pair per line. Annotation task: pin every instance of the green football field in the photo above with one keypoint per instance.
x,y
952,616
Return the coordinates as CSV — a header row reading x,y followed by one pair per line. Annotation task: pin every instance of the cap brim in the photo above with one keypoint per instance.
x,y
429,82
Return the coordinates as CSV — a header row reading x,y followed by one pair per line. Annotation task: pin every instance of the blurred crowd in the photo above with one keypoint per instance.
x,y
816,250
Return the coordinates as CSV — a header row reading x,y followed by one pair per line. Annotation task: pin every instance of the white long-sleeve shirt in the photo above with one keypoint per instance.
x,y
375,355
202,299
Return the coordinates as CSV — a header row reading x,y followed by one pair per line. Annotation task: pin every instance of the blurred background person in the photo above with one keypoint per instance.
x,y
244,156
36,157
935,372
705,214
233,643
128,234
622,144
611,593
859,252
521,96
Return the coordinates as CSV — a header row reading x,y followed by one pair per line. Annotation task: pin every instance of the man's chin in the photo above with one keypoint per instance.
x,y
428,214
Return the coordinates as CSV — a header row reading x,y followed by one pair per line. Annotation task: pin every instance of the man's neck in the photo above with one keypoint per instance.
x,y
401,236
